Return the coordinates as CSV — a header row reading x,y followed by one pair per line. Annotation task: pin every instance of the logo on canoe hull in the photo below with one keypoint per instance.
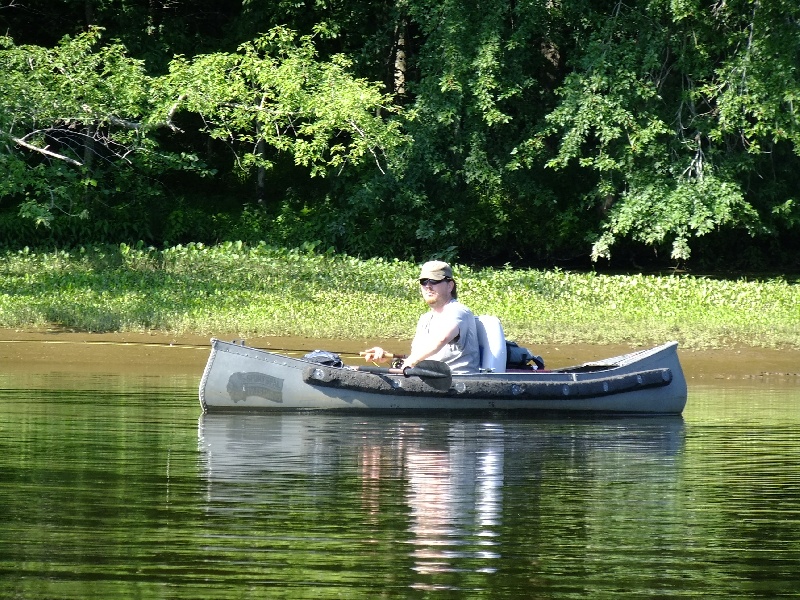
x,y
243,385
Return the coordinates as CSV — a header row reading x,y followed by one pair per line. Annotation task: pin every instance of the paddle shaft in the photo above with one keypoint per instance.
x,y
407,372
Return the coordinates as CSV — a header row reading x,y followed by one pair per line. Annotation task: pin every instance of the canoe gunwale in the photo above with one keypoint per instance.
x,y
494,387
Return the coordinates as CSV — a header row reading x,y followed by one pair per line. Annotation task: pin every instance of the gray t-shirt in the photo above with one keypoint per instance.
x,y
462,354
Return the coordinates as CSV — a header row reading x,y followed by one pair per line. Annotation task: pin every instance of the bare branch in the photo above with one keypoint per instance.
x,y
371,149
125,123
45,151
171,114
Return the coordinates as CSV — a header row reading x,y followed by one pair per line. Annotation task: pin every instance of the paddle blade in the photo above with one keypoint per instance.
x,y
431,368
433,372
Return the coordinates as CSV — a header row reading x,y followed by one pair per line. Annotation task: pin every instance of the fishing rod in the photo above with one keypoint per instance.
x,y
105,343
180,345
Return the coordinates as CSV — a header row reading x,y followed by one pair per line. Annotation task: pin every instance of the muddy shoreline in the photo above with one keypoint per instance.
x,y
41,351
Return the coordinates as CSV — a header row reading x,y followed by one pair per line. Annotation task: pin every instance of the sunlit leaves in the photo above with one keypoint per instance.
x,y
77,82
675,211
276,90
89,107
757,85
532,129
67,115
678,104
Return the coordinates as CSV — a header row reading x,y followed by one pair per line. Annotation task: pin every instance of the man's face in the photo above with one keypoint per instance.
x,y
435,293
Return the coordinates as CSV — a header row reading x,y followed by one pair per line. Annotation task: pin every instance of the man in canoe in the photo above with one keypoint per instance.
x,y
447,331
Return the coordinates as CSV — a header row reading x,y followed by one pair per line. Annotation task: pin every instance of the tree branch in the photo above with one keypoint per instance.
x,y
171,114
45,151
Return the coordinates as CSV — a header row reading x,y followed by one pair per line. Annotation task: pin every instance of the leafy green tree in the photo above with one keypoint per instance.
x,y
488,131
65,113
274,91
544,129
674,107
474,79
82,119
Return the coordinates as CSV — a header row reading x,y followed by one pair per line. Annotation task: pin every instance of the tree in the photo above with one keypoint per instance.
x,y
80,112
674,107
66,113
488,130
275,91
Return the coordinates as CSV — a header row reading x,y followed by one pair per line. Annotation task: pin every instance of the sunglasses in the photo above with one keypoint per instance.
x,y
424,282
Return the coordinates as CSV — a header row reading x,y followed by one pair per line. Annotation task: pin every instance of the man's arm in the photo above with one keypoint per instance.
x,y
429,344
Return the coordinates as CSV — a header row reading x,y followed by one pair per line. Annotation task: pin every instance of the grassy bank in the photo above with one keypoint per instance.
x,y
257,291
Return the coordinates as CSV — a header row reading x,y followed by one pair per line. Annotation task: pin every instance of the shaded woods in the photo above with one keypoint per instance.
x,y
648,134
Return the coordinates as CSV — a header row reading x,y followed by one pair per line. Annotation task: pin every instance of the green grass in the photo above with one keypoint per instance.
x,y
256,291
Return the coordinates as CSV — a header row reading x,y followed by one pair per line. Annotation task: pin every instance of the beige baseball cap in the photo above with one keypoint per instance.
x,y
436,269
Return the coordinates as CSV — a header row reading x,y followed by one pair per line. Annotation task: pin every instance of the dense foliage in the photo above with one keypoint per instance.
x,y
260,290
493,131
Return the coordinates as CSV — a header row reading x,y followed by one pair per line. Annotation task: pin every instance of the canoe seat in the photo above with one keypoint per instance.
x,y
492,342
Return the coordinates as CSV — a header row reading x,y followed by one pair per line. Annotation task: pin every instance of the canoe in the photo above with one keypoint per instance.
x,y
240,378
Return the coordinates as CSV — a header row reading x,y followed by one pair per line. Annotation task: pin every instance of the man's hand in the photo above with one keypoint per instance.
x,y
376,354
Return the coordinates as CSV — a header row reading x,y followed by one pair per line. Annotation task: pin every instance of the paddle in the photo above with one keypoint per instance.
x,y
433,372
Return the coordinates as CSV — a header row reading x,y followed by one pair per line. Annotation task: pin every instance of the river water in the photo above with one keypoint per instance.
x,y
114,485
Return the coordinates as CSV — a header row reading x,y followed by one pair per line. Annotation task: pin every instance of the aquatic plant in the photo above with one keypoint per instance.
x,y
235,288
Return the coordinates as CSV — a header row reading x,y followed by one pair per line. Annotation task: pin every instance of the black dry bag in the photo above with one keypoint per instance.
x,y
323,357
518,357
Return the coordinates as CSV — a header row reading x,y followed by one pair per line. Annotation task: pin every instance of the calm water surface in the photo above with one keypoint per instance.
x,y
116,487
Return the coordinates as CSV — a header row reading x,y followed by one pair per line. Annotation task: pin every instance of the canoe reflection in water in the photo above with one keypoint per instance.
x,y
455,490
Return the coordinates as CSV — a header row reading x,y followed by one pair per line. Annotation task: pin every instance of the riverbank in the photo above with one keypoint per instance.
x,y
262,291
49,350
